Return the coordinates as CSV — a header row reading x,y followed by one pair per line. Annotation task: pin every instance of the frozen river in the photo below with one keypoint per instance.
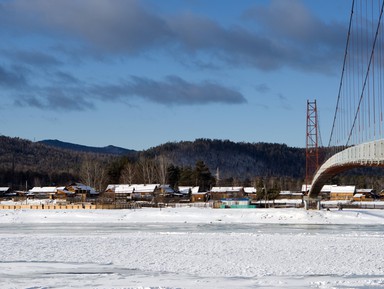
x,y
201,248
190,255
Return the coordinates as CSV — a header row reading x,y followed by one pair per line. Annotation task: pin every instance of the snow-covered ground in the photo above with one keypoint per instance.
x,y
192,248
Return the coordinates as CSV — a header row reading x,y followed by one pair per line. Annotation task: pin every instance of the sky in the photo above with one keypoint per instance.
x,y
140,73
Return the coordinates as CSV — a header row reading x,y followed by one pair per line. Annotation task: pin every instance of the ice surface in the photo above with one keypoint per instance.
x,y
192,248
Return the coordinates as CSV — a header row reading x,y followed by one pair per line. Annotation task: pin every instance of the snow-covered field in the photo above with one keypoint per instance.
x,y
192,248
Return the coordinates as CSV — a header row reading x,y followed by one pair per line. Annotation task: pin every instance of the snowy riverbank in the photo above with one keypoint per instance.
x,y
195,215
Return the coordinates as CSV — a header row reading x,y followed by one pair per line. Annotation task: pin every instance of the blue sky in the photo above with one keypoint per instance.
x,y
137,74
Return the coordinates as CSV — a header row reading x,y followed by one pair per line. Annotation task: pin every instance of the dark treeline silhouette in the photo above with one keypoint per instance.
x,y
203,163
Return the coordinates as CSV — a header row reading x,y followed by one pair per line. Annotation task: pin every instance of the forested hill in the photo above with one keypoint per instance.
x,y
38,164
113,150
237,160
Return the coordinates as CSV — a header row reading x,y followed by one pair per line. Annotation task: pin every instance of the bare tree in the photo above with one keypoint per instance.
x,y
148,170
162,166
128,173
93,173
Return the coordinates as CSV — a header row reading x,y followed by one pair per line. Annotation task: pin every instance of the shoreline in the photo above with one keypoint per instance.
x,y
196,215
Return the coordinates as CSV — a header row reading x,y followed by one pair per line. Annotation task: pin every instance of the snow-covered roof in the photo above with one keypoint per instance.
x,y
47,190
121,188
343,189
290,193
142,188
4,189
324,189
226,189
135,188
250,190
185,189
199,193
167,189
364,190
82,187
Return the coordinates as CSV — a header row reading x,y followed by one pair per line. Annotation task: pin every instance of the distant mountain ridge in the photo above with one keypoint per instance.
x,y
112,150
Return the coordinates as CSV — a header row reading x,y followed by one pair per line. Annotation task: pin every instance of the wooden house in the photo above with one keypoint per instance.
x,y
366,194
342,193
144,192
120,193
43,192
250,192
218,193
134,192
79,192
197,197
4,191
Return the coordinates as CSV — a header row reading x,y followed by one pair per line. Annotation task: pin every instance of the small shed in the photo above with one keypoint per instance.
x,y
199,197
241,203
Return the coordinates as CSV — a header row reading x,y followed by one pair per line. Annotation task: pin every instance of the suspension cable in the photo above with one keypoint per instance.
x,y
342,74
367,73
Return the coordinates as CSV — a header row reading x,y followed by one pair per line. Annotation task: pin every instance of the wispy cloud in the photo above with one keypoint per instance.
x,y
173,90
284,102
268,37
262,88
282,30
12,78
55,98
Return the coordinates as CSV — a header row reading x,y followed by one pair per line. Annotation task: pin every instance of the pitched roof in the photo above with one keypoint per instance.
x,y
226,189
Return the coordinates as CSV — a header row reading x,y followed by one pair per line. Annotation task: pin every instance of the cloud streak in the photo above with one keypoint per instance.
x,y
276,39
268,37
173,90
12,78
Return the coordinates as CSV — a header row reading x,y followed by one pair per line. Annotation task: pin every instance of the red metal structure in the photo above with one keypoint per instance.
x,y
312,143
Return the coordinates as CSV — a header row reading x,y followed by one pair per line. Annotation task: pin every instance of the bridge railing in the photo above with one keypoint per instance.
x,y
362,155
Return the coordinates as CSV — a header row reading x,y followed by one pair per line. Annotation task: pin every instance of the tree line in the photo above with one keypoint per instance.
x,y
203,162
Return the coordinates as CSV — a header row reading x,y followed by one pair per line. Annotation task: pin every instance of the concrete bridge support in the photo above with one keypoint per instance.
x,y
312,203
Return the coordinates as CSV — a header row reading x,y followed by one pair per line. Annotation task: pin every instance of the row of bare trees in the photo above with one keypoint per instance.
x,y
96,173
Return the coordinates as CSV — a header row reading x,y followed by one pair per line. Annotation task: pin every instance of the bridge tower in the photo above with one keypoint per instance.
x,y
312,143
312,149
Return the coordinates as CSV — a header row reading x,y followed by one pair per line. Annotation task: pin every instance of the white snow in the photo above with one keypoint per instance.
x,y
191,248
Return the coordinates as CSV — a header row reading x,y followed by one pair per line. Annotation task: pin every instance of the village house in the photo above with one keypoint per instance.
x,y
250,192
42,192
188,190
78,192
119,193
324,193
219,193
342,193
134,192
4,191
198,197
365,195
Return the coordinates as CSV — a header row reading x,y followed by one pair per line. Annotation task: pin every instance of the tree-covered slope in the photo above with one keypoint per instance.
x,y
238,160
